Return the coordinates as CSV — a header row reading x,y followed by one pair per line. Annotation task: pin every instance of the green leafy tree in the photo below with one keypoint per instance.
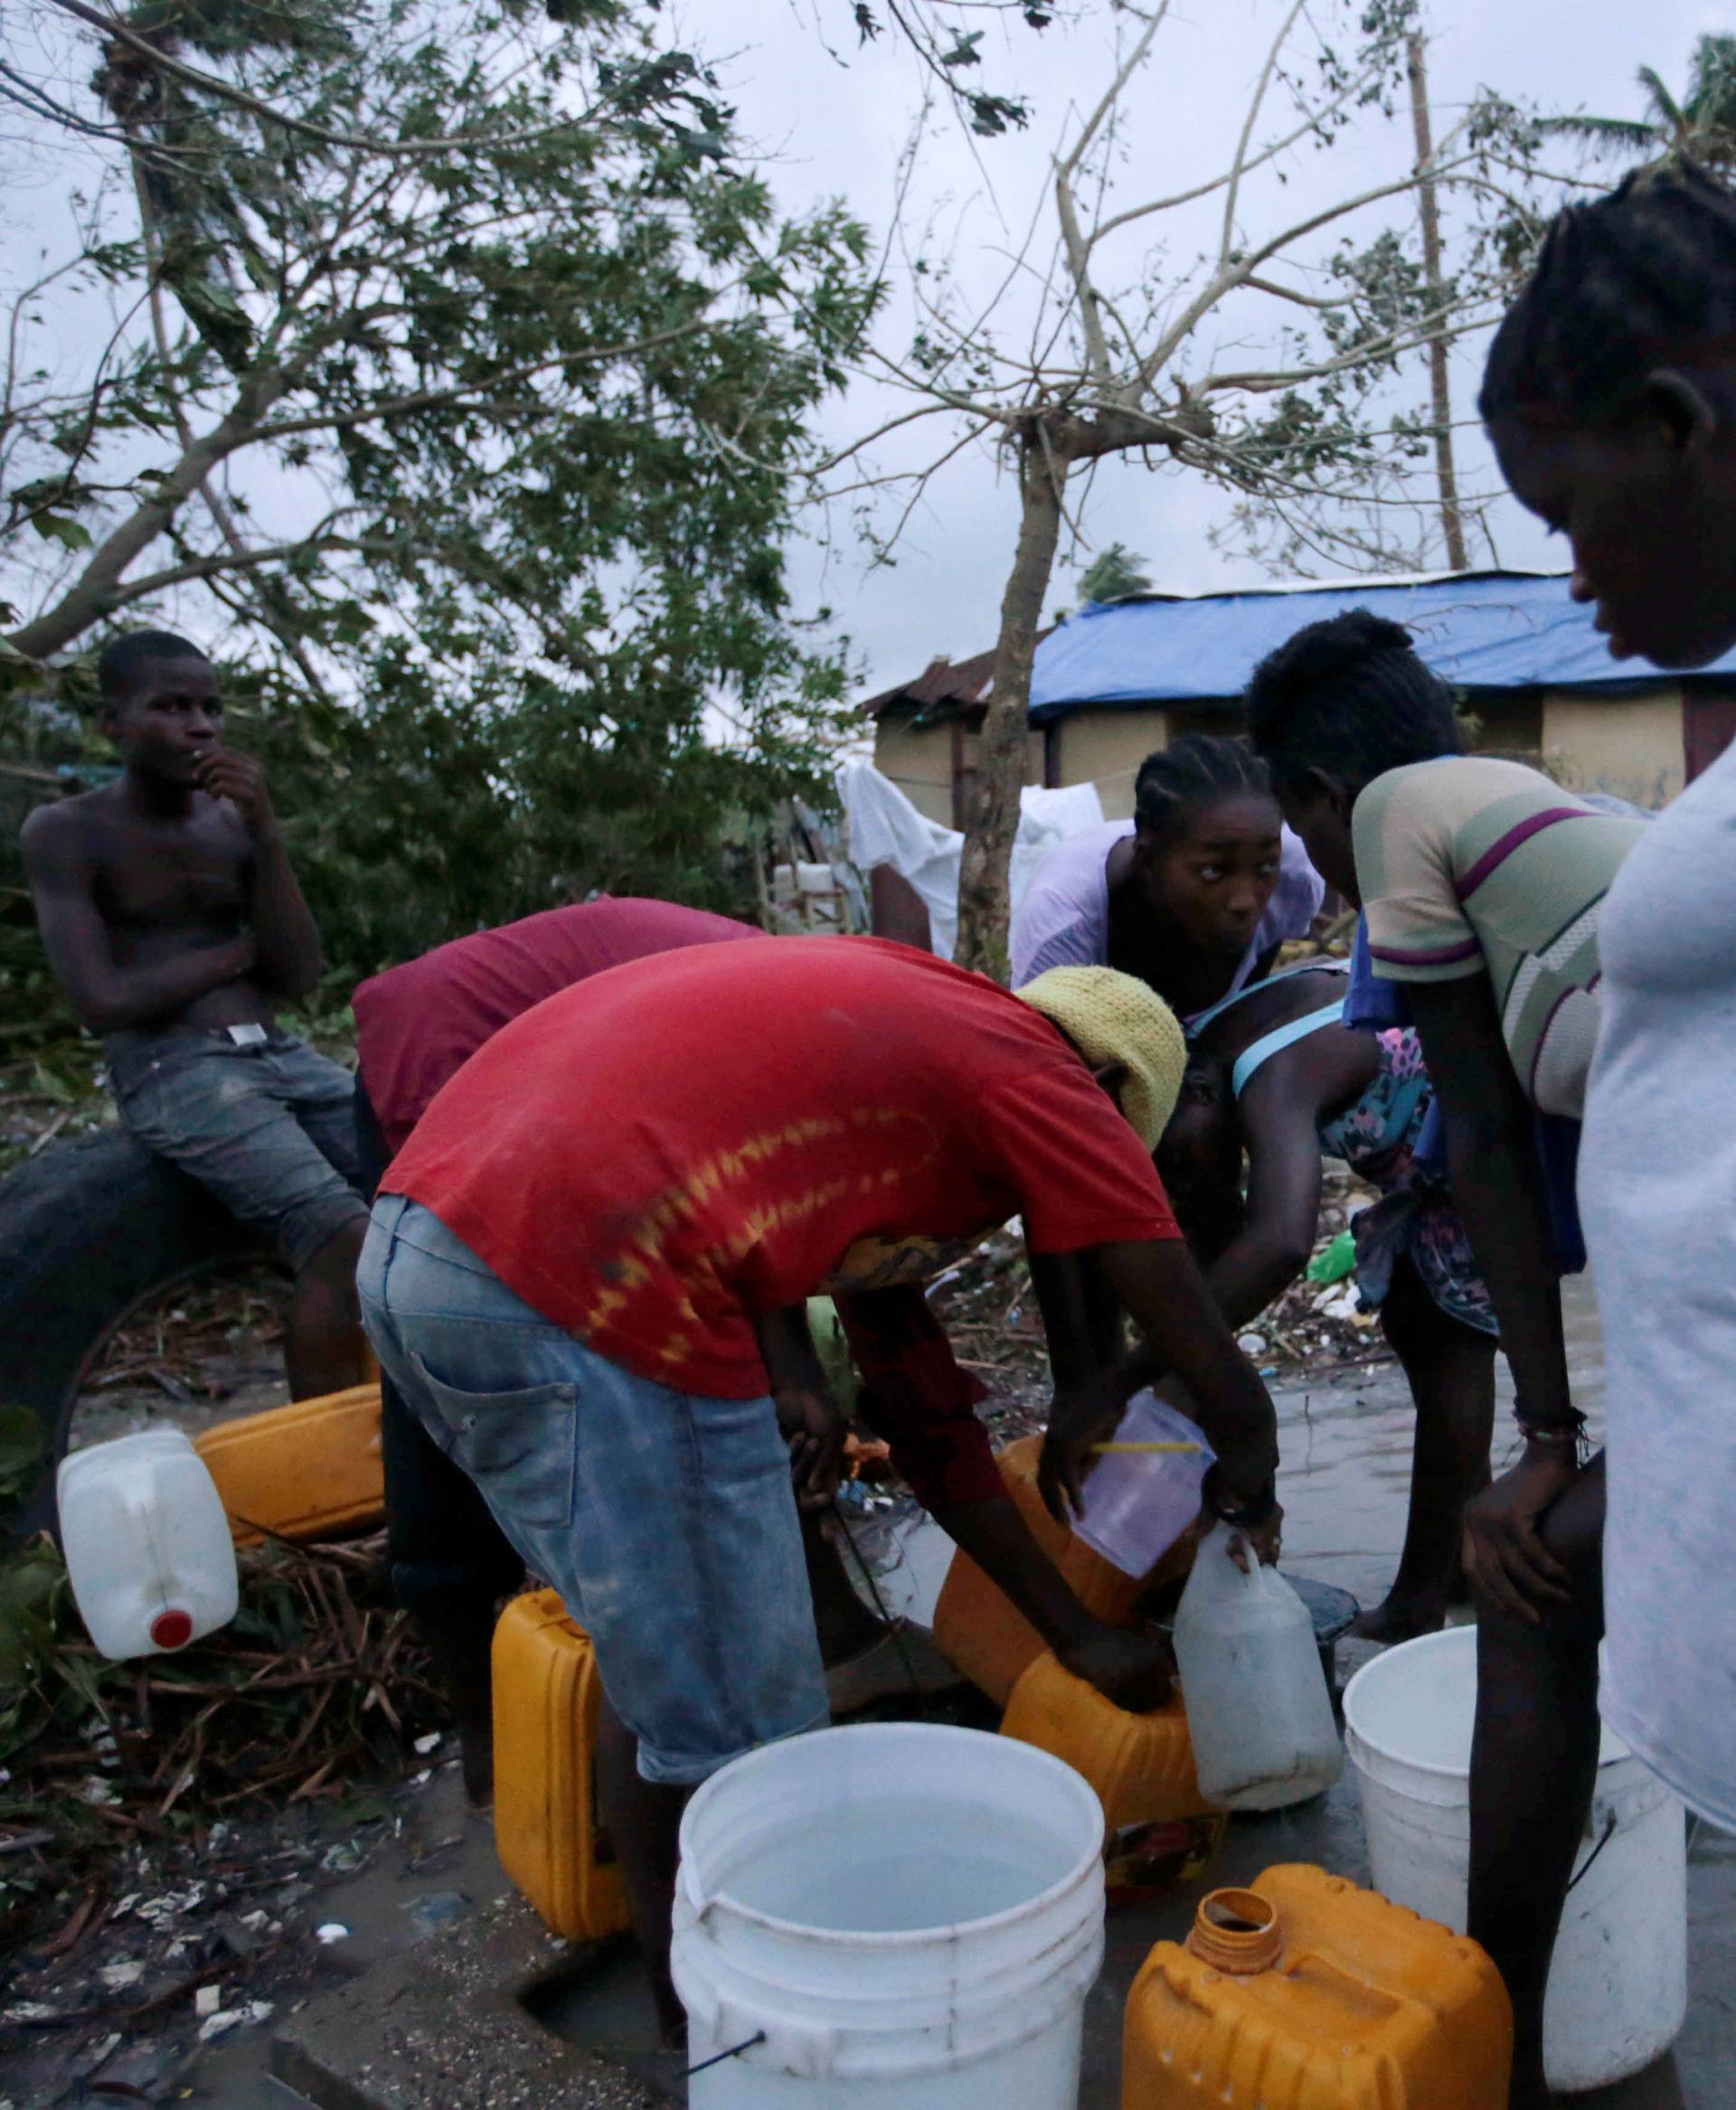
x,y
1115,573
450,364
1701,125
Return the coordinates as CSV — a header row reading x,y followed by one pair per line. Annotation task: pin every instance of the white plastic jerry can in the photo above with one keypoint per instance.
x,y
1258,1708
147,1546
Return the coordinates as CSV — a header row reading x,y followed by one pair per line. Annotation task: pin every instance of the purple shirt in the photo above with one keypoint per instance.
x,y
1063,920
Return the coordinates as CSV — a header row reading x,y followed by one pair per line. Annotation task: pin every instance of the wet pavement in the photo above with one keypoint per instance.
x,y
1346,1450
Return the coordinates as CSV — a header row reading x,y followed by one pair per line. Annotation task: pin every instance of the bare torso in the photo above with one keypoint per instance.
x,y
165,887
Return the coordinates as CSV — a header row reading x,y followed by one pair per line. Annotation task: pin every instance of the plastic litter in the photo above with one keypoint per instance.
x,y
1335,1261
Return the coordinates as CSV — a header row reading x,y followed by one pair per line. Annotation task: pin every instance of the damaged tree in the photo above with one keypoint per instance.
x,y
1124,365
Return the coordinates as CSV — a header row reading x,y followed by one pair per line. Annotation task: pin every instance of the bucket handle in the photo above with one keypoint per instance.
x,y
1585,1868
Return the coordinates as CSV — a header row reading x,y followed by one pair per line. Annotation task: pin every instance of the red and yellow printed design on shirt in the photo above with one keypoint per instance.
x,y
656,1156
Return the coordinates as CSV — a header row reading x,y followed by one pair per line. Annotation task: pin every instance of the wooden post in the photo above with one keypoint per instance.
x,y
1446,469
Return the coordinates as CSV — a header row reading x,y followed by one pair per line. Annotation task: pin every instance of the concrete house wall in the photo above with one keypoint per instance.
x,y
1633,747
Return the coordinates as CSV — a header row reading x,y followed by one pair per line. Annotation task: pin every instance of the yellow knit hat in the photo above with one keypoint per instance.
x,y
1115,1018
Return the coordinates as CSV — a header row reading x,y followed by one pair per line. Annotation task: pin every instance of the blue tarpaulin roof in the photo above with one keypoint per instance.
x,y
1483,631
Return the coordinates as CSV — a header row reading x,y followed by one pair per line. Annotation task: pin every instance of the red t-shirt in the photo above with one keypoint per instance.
x,y
418,1024
654,1157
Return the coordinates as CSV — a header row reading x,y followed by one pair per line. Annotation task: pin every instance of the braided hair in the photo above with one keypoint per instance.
x,y
1349,696
1182,780
1620,284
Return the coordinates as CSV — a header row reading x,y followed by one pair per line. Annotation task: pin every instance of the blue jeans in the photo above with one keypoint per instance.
x,y
665,1521
270,1128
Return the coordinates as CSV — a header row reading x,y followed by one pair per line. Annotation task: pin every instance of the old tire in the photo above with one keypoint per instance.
x,y
89,1231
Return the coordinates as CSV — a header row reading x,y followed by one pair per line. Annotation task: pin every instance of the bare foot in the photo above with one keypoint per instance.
x,y
1403,1619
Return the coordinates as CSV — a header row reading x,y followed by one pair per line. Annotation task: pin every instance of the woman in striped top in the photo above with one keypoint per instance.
x,y
1481,884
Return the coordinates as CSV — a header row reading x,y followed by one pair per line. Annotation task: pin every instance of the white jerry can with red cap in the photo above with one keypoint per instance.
x,y
148,1544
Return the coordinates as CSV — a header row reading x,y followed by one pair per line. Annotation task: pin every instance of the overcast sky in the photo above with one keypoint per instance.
x,y
828,119
828,128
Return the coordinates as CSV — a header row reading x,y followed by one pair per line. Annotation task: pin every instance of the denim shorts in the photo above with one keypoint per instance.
x,y
268,1128
665,1521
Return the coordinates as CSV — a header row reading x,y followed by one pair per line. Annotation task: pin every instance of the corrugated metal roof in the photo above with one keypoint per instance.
x,y
1486,632
947,685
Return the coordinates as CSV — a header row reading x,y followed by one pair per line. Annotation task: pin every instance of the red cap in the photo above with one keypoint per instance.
x,y
172,1629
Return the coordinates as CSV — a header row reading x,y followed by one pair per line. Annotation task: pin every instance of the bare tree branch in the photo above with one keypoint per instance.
x,y
1227,240
400,149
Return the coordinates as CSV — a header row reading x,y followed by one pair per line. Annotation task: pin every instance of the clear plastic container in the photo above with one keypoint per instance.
x,y
147,1543
1138,1504
1258,1708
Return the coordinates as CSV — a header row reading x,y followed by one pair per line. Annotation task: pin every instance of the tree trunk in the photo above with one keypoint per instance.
x,y
995,818
1446,469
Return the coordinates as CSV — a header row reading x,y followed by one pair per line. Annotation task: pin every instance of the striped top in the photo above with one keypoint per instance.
x,y
1468,865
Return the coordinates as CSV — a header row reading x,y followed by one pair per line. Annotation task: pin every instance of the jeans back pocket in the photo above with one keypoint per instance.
x,y
518,1446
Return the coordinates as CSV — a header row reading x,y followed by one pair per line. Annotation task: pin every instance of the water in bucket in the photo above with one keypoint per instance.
x,y
942,1865
889,1915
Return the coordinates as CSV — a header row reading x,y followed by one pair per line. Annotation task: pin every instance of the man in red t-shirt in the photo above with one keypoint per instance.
x,y
589,1267
416,1026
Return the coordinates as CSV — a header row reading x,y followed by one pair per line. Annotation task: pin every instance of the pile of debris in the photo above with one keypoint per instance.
x,y
316,1680
989,1311
163,1822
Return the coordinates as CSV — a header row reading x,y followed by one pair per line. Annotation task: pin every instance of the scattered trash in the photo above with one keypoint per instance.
x,y
173,1904
424,1744
333,1931
125,1971
436,1910
207,2000
1337,1261
1251,1343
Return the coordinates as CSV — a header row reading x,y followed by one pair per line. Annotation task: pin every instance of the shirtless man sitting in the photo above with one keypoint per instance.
x,y
170,911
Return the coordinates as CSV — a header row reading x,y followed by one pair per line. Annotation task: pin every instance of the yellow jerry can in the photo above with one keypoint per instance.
x,y
547,1832
310,1470
1304,1992
976,1624
1141,1765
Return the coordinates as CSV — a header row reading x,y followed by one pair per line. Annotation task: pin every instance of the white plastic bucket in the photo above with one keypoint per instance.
x,y
147,1544
1618,1985
901,1913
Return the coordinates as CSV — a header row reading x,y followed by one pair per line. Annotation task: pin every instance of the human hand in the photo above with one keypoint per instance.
x,y
815,1431
227,773
1509,1568
1078,1419
1263,1540
1133,1670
